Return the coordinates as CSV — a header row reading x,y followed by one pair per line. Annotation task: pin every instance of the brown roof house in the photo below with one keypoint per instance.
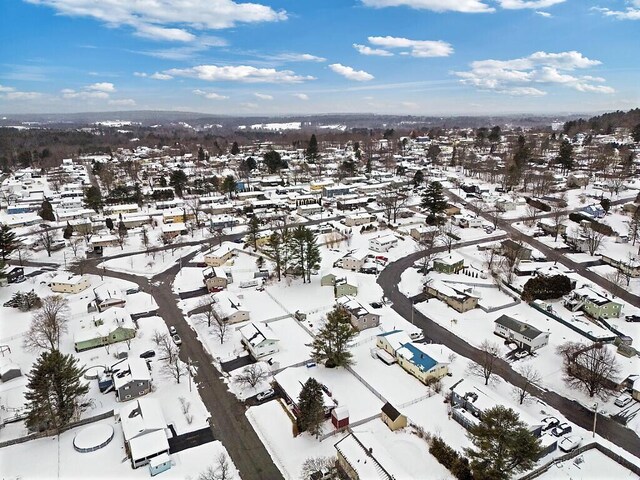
x,y
392,417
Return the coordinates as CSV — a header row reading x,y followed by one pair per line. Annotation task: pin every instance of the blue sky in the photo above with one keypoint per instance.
x,y
320,56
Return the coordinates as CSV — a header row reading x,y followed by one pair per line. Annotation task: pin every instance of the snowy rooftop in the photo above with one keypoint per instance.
x,y
135,369
255,334
368,457
67,279
142,416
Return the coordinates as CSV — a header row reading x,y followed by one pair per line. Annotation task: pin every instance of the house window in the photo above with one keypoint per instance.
x,y
127,397
141,384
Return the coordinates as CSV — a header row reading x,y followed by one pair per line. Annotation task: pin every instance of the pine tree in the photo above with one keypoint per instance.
x,y
311,407
8,242
252,234
311,252
434,201
418,178
273,161
274,251
229,184
312,148
178,181
332,341
565,156
502,445
235,149
93,198
68,231
297,242
109,223
53,391
46,211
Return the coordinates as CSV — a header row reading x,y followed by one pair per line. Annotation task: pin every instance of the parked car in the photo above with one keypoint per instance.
x,y
569,443
623,400
521,354
148,354
262,396
632,318
549,422
172,330
376,304
561,430
176,339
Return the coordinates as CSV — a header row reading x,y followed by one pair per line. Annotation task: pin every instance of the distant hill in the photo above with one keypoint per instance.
x,y
605,123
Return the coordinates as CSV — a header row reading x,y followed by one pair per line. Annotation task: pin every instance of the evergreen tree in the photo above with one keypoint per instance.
x,y
311,252
178,181
332,341
418,178
273,161
254,229
565,156
605,203
312,148
53,391
109,223
235,149
229,184
122,234
68,231
311,407
93,198
502,445
494,135
297,242
200,154
46,212
635,133
8,242
433,200
274,250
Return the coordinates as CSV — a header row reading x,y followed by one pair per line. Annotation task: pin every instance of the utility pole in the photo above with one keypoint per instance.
x,y
189,371
595,418
412,308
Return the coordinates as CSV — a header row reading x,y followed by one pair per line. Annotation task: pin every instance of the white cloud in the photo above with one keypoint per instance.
x,y
10,93
544,14
6,89
465,6
519,4
416,48
350,73
162,19
630,13
123,102
263,96
101,87
298,57
515,77
249,105
239,73
210,95
160,76
301,96
364,50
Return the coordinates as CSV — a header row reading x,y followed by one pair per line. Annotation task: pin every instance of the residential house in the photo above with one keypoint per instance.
x,y
459,297
66,283
577,179
352,203
628,265
524,335
227,308
335,191
132,380
117,210
173,230
144,429
219,255
423,361
449,263
357,219
383,243
108,295
355,260
177,215
342,285
103,240
361,317
310,209
392,341
548,226
597,305
215,279
108,327
595,211
392,417
290,381
259,340
515,251
423,232
451,210
362,457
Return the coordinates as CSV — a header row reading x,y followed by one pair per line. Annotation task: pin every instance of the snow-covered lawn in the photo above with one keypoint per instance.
x,y
148,265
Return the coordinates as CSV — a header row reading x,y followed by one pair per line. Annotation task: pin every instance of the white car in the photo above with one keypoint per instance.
x,y
172,330
623,400
569,443
264,395
177,340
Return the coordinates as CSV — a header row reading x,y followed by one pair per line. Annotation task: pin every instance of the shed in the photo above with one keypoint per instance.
x,y
340,417
392,417
9,371
159,464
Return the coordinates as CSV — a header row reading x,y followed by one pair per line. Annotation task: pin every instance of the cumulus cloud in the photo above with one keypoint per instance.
x,y
10,93
238,73
415,48
543,14
210,95
167,20
533,4
517,76
101,87
100,90
350,73
301,96
123,102
365,50
465,6
263,96
632,11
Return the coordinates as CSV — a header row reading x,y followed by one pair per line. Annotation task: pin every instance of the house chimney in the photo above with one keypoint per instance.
x,y
370,451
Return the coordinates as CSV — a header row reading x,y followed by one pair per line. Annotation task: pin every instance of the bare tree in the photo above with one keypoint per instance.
x,y
590,368
46,236
23,252
48,324
592,238
426,246
80,265
221,329
313,465
206,305
222,470
175,368
532,215
448,235
75,243
165,344
193,204
634,226
529,377
494,216
558,217
489,356
391,199
251,376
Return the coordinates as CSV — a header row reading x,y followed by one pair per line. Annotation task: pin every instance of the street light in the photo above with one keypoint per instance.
x,y
595,418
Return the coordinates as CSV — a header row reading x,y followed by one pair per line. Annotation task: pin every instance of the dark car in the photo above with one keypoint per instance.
x,y
561,429
148,354
632,318
376,304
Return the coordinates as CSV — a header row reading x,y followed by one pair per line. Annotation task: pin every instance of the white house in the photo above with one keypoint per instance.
x,y
145,430
65,283
383,243
259,340
227,308
524,335
354,260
